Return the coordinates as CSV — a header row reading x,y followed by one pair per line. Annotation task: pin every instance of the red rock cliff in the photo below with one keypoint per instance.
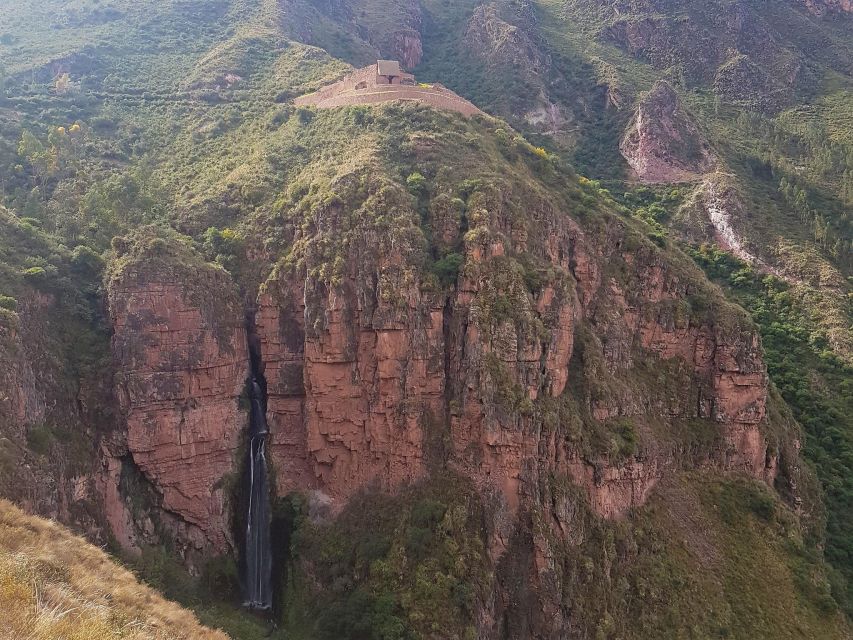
x,y
376,375
181,358
52,408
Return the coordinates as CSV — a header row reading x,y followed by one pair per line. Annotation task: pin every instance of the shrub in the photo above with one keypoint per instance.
x,y
39,438
158,246
447,269
86,260
416,183
9,303
35,275
761,503
120,245
220,578
364,616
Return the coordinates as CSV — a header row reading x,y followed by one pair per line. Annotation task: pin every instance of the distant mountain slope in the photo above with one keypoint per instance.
x,y
55,585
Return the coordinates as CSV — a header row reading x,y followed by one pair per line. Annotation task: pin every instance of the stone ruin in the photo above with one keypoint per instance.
x,y
385,81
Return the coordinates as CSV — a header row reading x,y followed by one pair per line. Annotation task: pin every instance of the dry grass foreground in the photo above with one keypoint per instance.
x,y
54,585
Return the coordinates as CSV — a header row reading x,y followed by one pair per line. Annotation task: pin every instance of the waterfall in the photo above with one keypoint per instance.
x,y
258,560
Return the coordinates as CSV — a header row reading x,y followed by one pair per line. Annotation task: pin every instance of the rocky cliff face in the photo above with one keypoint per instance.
x,y
502,324
663,144
181,360
355,373
50,421
530,367
20,402
568,351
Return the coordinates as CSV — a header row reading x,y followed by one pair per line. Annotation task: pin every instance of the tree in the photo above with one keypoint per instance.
x,y
62,84
42,159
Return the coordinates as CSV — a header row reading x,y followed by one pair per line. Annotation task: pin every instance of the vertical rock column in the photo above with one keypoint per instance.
x,y
181,358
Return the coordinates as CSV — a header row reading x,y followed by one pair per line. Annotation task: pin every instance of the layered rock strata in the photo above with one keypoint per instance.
x,y
180,351
373,378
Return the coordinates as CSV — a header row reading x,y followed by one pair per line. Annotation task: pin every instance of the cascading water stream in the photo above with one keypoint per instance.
x,y
258,560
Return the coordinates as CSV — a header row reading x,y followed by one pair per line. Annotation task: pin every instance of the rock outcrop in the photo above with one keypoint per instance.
x,y
663,143
823,7
507,46
501,43
180,353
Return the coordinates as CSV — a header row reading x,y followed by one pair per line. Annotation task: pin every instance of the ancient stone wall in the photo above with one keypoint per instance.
x,y
434,98
346,93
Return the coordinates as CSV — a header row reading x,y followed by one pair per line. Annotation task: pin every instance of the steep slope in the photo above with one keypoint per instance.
x,y
527,371
778,201
387,271
56,585
767,87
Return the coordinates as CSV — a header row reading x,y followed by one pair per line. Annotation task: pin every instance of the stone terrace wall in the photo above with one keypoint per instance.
x,y
438,98
347,84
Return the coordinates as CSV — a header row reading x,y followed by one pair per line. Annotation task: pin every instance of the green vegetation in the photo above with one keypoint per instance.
x,y
214,596
707,558
391,568
817,385
387,568
32,262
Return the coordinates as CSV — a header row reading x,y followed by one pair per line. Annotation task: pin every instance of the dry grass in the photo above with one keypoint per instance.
x,y
54,585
